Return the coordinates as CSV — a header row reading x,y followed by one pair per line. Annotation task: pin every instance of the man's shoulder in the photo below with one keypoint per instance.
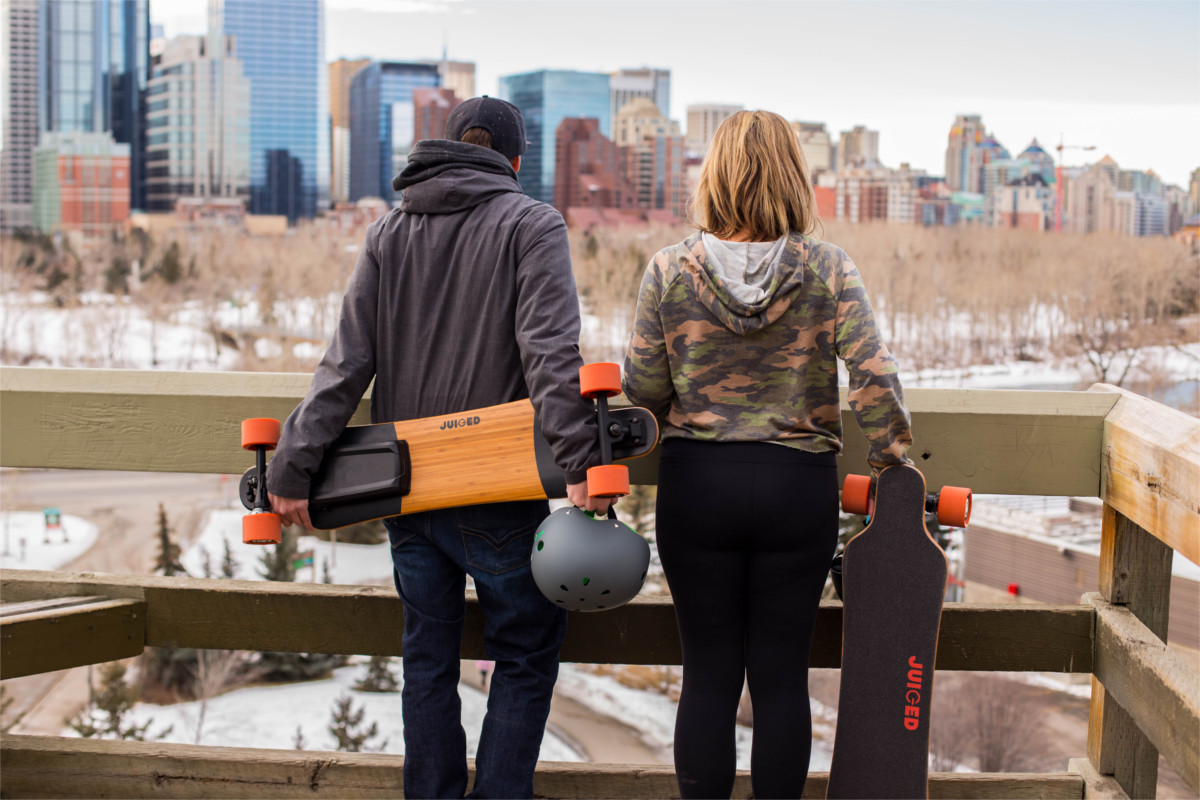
x,y
533,214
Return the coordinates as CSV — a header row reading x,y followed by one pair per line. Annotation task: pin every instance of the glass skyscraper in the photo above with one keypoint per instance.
x,y
546,98
281,44
92,73
382,122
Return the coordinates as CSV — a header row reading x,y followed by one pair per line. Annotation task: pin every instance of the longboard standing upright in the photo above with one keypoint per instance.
x,y
893,582
488,455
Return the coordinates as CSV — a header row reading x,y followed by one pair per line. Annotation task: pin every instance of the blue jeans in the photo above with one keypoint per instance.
x,y
432,552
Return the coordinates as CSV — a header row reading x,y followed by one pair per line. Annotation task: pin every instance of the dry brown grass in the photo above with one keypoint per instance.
x,y
944,298
954,297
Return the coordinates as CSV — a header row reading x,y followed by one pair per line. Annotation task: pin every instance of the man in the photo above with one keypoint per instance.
x,y
461,298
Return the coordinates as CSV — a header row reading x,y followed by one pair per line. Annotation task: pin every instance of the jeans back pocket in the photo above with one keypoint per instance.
x,y
499,537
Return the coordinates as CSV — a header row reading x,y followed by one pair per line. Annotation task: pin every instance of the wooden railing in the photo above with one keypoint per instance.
x,y
1141,458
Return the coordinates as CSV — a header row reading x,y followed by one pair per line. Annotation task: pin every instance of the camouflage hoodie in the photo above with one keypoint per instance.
x,y
715,368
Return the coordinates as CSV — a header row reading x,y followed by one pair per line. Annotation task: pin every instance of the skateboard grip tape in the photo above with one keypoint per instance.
x,y
893,583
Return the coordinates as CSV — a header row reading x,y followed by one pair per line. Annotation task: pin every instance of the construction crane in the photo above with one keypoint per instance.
x,y
1058,179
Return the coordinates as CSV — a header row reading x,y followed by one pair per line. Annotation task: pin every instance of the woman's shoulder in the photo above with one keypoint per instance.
x,y
684,249
825,259
671,260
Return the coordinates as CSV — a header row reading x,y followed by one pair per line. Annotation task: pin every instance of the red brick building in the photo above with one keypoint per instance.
x,y
80,183
656,169
431,109
588,168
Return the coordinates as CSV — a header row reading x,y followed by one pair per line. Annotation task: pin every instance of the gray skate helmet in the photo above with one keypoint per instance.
x,y
585,563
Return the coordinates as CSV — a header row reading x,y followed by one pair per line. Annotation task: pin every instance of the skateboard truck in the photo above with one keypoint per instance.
x,y
952,504
261,525
599,382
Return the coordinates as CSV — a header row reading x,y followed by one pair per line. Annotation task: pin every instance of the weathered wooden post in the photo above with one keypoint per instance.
x,y
1149,479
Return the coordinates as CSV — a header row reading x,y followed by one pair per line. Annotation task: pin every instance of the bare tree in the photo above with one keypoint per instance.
x,y
216,672
989,720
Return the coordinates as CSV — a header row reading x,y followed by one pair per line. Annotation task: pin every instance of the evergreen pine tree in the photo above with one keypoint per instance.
x,y
277,560
272,667
298,740
205,562
346,728
167,562
229,564
171,265
7,724
379,677
114,701
116,277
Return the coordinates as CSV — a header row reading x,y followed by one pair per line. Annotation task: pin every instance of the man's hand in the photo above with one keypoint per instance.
x,y
577,494
291,510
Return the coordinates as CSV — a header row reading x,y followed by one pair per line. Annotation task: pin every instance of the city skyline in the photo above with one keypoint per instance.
x,y
1122,77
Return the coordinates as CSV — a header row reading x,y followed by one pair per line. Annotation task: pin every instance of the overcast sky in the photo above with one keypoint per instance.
x,y
1122,76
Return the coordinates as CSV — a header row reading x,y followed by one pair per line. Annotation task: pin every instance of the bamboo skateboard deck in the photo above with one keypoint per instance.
x,y
893,583
488,455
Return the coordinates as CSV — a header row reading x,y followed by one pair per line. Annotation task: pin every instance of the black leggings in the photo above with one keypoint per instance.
x,y
746,533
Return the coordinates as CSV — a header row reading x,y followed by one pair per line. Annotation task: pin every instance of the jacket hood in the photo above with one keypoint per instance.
x,y
444,177
719,297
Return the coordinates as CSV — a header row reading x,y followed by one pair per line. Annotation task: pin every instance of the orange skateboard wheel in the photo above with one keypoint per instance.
x,y
609,480
600,379
260,432
954,506
856,494
262,528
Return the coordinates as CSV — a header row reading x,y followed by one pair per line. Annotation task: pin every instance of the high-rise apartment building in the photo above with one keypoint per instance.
x,y
702,122
1194,189
1133,180
93,66
628,85
1026,203
341,73
862,193
198,124
281,44
81,182
641,119
815,144
653,151
431,110
969,150
1089,202
546,98
588,172
458,77
1040,159
19,77
382,123
858,147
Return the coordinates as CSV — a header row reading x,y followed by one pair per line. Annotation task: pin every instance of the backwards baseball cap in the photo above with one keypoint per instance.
x,y
501,119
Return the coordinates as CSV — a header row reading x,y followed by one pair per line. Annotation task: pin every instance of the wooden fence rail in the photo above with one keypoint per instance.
x,y
1140,458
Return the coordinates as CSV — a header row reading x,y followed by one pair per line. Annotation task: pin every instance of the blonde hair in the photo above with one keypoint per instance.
x,y
754,181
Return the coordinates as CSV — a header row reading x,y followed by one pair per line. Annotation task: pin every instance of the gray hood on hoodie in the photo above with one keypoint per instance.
x,y
445,177
746,267
746,286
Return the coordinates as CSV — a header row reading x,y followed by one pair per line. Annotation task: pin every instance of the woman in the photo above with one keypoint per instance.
x,y
735,346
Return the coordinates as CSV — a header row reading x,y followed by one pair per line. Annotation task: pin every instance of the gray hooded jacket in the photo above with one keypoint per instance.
x,y
461,298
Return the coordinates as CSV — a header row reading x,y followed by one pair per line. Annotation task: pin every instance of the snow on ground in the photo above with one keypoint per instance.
x,y
106,331
268,717
348,563
653,714
28,544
